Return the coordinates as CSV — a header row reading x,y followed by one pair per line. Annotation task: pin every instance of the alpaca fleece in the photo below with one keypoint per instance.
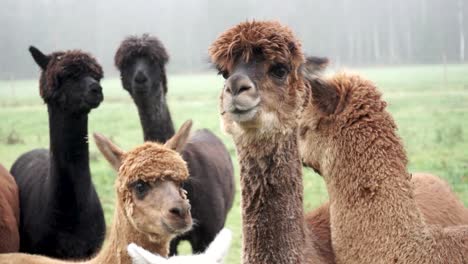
x,y
64,65
374,216
146,46
275,41
9,212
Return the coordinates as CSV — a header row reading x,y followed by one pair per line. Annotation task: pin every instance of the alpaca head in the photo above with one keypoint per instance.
x,y
69,80
344,107
149,185
141,62
261,64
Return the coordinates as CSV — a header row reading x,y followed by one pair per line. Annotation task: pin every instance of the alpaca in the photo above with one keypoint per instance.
x,y
214,254
141,62
349,137
61,215
433,196
151,206
261,101
9,213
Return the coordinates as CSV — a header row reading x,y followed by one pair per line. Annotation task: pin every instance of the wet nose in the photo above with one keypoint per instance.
x,y
180,211
140,78
238,84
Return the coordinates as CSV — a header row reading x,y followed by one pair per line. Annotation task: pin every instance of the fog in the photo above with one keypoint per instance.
x,y
350,33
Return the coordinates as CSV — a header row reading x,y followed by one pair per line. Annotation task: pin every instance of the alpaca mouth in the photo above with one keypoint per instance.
x,y
243,115
177,228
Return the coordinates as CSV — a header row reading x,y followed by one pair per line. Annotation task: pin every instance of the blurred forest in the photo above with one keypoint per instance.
x,y
361,33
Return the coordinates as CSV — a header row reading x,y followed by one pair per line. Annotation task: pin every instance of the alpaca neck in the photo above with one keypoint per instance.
x,y
70,175
123,233
371,197
272,200
155,117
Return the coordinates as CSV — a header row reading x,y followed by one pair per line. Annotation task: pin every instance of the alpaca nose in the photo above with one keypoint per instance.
x,y
238,84
180,211
140,78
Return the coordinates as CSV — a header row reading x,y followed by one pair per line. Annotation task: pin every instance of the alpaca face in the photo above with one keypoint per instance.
x,y
142,77
160,207
79,94
256,94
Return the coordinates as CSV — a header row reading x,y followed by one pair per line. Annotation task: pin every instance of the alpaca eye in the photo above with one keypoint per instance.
x,y
225,74
279,71
141,188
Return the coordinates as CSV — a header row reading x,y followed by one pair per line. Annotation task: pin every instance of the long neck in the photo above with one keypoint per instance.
x,y
155,117
272,200
70,176
123,233
371,195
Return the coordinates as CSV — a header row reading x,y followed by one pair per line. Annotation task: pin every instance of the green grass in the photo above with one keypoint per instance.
x,y
431,111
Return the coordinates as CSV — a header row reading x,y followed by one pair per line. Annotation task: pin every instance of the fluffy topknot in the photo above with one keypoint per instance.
x,y
152,161
275,41
146,45
68,64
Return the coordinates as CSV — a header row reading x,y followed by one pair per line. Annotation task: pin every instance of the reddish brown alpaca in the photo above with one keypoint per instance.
x,y
261,101
9,212
435,199
374,217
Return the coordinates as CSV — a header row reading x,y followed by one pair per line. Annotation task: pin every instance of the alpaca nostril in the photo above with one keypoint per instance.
x,y
177,211
140,78
244,89
95,88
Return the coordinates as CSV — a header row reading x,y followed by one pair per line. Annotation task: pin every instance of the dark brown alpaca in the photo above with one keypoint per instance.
x,y
260,103
349,137
141,62
61,214
9,213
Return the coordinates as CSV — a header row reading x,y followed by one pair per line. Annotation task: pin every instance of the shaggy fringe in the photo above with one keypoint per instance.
x,y
68,64
145,45
275,41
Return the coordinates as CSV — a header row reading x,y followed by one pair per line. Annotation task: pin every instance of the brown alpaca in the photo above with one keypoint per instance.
x,y
260,104
151,207
348,136
9,212
435,199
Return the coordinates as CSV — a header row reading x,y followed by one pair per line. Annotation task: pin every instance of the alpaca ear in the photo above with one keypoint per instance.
x,y
177,142
314,67
109,150
40,58
142,256
219,248
324,96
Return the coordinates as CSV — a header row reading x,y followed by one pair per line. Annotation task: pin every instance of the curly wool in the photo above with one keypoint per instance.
x,y
275,41
150,162
146,45
68,64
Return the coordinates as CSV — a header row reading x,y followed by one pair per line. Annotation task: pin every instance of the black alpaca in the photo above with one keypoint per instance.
x,y
210,188
61,215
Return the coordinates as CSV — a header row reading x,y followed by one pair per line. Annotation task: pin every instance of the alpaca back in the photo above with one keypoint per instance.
x,y
9,213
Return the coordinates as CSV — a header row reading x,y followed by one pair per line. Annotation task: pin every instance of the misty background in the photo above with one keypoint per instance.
x,y
350,33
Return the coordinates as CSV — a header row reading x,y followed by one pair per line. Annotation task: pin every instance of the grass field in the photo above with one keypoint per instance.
x,y
430,107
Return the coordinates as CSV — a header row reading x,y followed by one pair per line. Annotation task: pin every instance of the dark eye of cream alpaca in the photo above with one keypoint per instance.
x,y
279,71
141,188
225,74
